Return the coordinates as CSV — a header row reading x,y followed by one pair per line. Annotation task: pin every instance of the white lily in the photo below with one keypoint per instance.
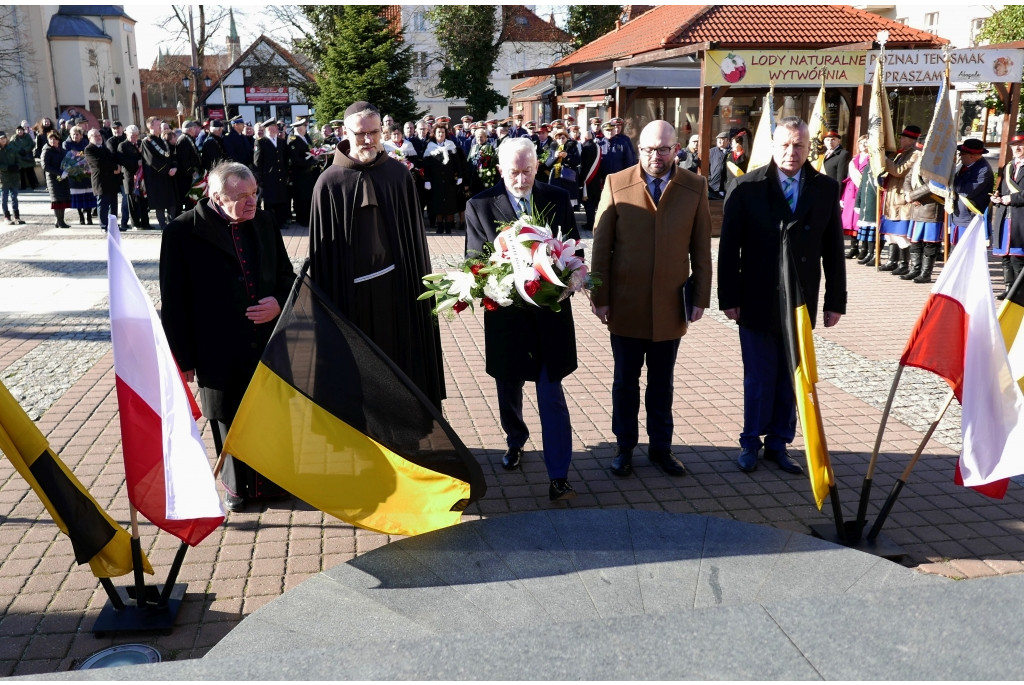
x,y
462,285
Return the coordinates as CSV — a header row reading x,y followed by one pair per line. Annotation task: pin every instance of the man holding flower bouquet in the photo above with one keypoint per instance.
x,y
527,343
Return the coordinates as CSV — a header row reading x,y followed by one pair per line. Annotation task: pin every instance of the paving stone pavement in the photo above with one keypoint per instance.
x,y
56,359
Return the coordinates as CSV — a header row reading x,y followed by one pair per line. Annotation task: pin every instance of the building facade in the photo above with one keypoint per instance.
x,y
80,57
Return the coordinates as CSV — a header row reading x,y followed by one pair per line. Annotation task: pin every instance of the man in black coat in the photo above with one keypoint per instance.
x,y
787,194
190,164
159,167
112,144
716,166
105,175
303,171
973,183
528,344
224,276
270,162
237,147
211,149
837,159
129,157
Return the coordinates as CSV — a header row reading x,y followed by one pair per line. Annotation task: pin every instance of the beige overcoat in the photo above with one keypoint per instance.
x,y
643,255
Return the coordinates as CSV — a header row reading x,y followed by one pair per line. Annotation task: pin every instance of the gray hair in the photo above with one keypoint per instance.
x,y
792,123
511,148
224,172
92,131
131,129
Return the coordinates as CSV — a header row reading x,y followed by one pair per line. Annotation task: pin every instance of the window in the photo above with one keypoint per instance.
x,y
113,112
420,64
419,22
976,27
522,21
931,22
902,20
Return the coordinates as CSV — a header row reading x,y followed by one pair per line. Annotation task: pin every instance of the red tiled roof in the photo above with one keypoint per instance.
x,y
797,26
523,26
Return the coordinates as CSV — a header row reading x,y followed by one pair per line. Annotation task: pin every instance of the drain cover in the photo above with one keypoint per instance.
x,y
121,655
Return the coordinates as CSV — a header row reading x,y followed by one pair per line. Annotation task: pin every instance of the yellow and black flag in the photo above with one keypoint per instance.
x,y
796,331
95,537
1011,316
331,419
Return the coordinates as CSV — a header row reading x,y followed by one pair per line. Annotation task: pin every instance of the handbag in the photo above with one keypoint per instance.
x,y
568,174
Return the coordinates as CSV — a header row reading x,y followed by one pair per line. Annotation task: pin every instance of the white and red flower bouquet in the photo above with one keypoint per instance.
x,y
198,190
525,266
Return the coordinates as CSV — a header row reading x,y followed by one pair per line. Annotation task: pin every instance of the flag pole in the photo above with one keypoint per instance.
x,y
172,574
898,485
140,580
865,490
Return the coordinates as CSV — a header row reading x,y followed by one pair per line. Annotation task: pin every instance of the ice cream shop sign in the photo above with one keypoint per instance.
x,y
758,68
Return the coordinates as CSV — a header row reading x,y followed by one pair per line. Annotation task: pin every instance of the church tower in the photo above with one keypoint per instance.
x,y
234,44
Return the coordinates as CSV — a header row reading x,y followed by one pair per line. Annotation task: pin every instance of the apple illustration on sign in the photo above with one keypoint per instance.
x,y
733,68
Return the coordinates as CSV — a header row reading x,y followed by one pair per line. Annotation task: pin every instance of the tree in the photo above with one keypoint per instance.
x,y
1004,25
15,53
358,54
469,39
586,23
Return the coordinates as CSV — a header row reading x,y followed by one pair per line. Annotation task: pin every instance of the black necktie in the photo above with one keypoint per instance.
x,y
656,193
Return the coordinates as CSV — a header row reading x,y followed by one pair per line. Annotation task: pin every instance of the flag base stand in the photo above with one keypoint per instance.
x,y
148,617
881,546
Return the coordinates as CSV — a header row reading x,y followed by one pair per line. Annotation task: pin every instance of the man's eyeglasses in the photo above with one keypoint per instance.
x,y
366,134
660,151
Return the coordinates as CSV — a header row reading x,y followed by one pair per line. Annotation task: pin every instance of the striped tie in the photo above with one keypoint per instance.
x,y
656,193
524,206
789,188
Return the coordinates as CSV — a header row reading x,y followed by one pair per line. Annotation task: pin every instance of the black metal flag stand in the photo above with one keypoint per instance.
x,y
142,608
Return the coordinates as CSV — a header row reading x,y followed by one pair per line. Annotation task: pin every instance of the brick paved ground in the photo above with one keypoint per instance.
x,y
59,366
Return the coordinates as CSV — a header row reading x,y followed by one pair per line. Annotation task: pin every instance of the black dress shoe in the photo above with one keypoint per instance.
x,y
233,502
747,461
560,489
512,458
622,464
663,459
784,461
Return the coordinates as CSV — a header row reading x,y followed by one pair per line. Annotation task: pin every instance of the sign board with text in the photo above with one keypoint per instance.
x,y
926,67
759,68
274,94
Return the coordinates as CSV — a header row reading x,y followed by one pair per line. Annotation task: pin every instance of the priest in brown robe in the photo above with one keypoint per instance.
x,y
368,250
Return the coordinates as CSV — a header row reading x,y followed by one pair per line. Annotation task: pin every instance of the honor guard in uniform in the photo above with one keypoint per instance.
x,y
335,137
926,219
972,183
303,171
236,145
212,150
270,160
1008,215
896,210
190,164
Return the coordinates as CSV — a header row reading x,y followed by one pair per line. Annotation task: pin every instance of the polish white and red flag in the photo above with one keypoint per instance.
x,y
165,464
958,337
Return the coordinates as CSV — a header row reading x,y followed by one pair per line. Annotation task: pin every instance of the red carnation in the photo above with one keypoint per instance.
x,y
459,306
490,305
475,269
531,288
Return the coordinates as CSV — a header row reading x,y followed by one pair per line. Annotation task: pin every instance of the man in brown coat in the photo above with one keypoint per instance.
x,y
653,230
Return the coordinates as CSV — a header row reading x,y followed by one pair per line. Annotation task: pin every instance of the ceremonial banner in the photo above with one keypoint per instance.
x,y
880,135
167,472
758,68
95,537
332,420
761,148
939,155
803,364
928,67
816,129
958,337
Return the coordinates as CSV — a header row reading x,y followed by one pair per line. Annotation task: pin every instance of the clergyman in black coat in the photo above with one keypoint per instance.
x,y
218,314
528,344
756,212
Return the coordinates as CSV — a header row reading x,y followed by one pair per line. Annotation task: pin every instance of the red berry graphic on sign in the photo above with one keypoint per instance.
x,y
733,68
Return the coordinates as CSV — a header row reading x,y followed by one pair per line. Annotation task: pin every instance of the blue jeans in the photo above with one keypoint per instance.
x,y
769,407
630,355
13,192
556,430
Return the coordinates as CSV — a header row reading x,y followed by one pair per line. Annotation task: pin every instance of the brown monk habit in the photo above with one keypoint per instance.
x,y
368,252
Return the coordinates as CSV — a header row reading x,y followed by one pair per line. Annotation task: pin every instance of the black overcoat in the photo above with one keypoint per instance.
x,y
519,339
270,163
204,300
748,251
102,163
157,161
837,165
